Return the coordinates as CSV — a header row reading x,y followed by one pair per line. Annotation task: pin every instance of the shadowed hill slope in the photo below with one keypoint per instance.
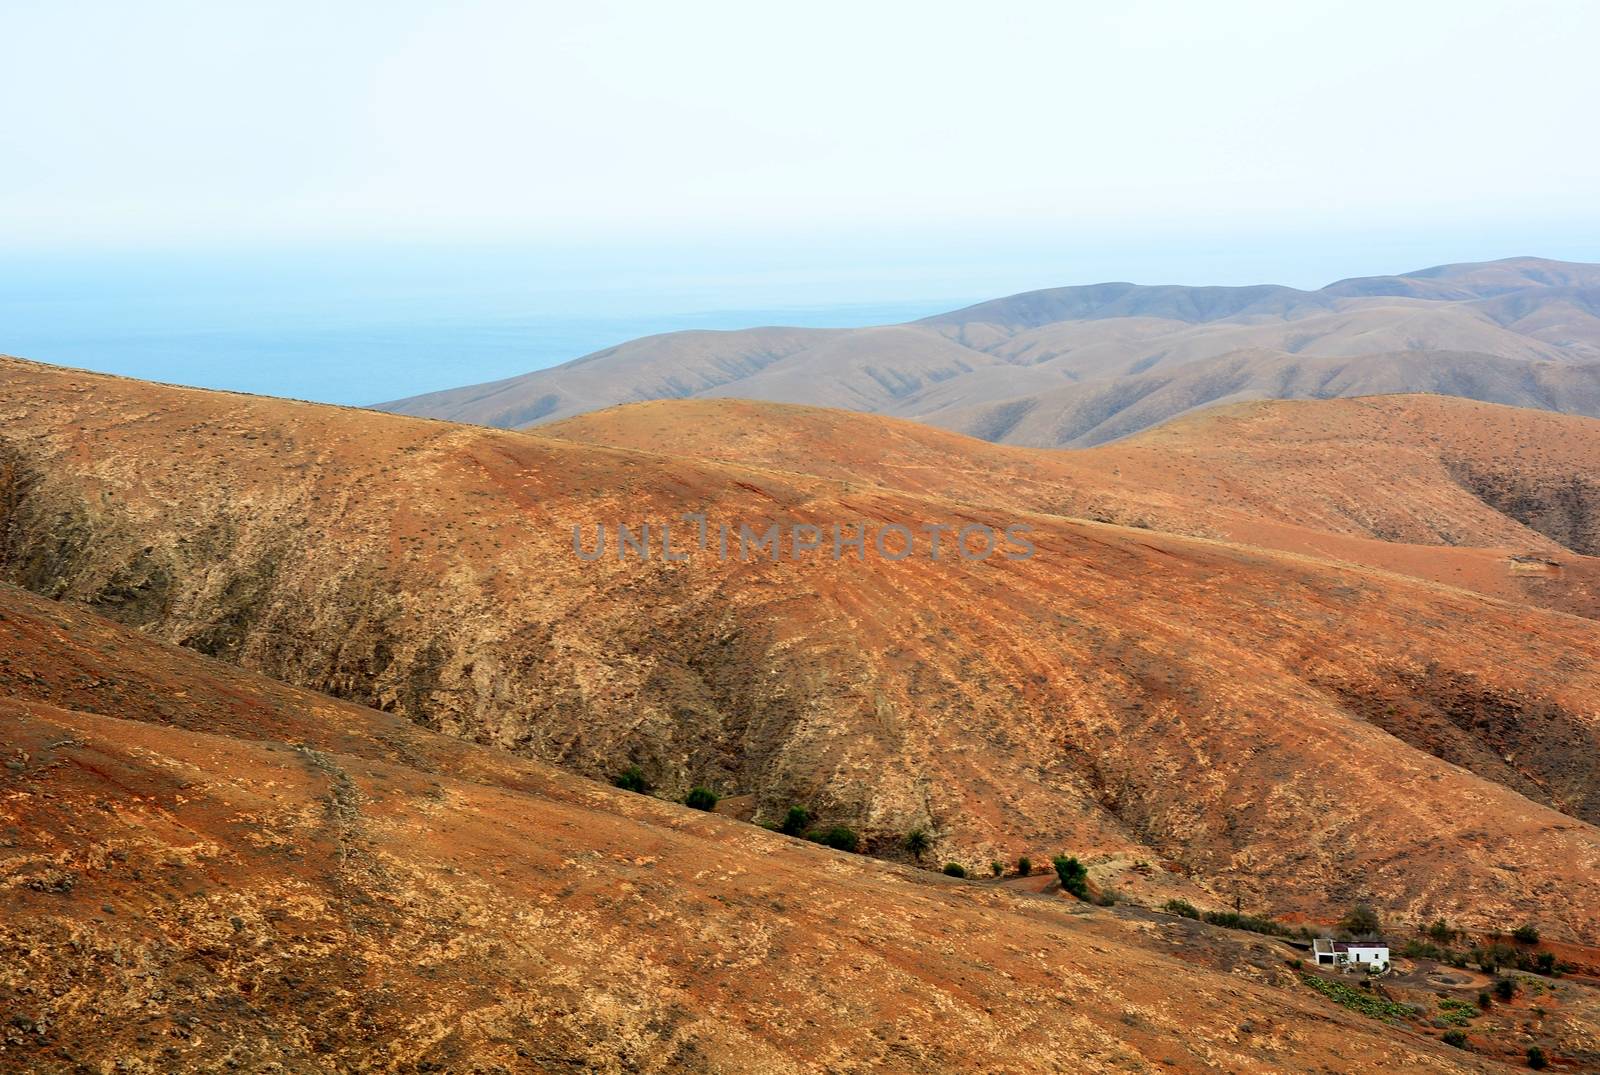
x,y
1082,365
1300,733
218,872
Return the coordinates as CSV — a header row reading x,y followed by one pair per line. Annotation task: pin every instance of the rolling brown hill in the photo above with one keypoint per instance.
x,y
1500,500
204,870
1245,723
1082,365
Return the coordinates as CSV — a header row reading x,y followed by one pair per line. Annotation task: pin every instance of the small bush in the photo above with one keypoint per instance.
x,y
917,842
1107,898
1181,907
632,779
795,821
1505,988
1455,1038
1456,959
1074,875
701,799
1485,1001
1361,921
955,869
996,868
1545,963
839,837
1441,932
1536,1059
1024,866
1527,933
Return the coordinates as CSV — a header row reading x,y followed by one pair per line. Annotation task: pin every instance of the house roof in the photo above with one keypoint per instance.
x,y
1325,944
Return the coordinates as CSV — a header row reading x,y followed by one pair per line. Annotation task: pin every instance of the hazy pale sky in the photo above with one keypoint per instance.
x,y
521,121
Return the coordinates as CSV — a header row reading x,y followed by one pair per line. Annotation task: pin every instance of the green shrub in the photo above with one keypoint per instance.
x,y
1545,963
1074,875
1024,866
917,842
1536,1059
1527,933
1456,959
632,779
795,821
1505,988
701,799
1181,907
955,869
996,868
1107,898
1485,1001
1361,921
1455,1038
838,837
1441,932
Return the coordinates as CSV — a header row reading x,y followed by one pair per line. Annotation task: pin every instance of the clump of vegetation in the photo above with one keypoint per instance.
x,y
1024,866
1107,898
1545,963
1362,921
1356,1000
1441,932
1454,1012
1182,908
1074,875
1527,933
1485,1001
838,837
701,799
1250,922
1490,958
997,868
795,821
632,779
1455,1038
1536,1058
917,843
1414,949
1505,988
955,869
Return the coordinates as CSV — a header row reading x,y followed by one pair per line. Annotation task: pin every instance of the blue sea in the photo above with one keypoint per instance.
x,y
366,326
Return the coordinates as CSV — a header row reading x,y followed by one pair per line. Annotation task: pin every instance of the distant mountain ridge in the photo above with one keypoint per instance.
x,y
1075,366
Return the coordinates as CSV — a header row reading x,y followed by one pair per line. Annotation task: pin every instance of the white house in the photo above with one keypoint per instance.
x,y
1373,954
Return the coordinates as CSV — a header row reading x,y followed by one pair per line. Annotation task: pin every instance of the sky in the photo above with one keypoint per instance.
x,y
482,159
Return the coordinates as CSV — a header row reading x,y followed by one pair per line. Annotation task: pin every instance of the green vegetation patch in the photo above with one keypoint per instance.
x,y
1454,1012
1354,999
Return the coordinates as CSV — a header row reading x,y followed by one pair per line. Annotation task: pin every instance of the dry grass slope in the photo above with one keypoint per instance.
x,y
1300,733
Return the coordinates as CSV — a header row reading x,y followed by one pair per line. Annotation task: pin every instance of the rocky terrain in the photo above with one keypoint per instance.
x,y
1079,366
204,870
1226,722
